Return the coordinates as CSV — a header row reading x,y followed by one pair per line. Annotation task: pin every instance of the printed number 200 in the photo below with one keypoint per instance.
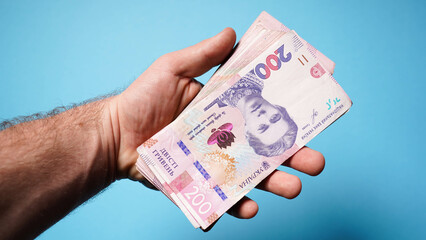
x,y
273,62
198,200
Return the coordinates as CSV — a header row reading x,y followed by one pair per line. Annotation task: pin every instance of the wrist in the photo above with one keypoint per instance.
x,y
119,142
110,136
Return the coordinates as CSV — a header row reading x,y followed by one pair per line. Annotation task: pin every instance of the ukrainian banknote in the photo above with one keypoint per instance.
x,y
243,128
261,34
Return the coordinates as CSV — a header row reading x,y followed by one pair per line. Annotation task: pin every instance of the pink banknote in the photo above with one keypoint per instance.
x,y
245,127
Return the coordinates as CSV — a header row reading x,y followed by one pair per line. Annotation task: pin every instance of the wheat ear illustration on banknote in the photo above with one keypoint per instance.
x,y
269,99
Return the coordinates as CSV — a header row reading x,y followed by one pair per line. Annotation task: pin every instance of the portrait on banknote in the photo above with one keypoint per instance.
x,y
269,129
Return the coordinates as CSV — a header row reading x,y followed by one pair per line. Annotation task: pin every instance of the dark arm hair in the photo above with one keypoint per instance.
x,y
40,115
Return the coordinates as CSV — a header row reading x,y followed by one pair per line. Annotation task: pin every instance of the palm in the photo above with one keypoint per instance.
x,y
143,112
161,93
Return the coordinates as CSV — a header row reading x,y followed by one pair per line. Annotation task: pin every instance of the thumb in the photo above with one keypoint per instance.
x,y
199,58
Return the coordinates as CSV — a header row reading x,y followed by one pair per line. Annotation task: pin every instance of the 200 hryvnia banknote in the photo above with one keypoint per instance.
x,y
225,143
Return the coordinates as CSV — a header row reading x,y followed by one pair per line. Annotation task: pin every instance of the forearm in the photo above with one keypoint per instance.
x,y
50,166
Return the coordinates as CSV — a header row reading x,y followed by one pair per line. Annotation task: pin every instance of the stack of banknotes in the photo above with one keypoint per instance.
x,y
271,97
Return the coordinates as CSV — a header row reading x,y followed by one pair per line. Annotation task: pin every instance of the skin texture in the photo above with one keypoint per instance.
x,y
50,166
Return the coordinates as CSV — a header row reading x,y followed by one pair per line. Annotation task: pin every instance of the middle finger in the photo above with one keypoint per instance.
x,y
282,184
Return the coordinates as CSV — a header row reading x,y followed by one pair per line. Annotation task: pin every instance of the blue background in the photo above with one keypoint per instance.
x,y
373,187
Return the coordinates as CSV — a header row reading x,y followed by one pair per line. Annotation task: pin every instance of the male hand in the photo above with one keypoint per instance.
x,y
158,96
77,153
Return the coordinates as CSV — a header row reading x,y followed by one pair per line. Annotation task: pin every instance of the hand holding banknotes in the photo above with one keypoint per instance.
x,y
162,92
52,163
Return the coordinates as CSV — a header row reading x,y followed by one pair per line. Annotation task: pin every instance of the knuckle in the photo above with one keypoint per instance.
x,y
166,61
